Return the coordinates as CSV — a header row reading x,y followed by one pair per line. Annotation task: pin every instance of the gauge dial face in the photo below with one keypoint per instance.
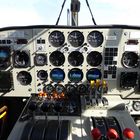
x,y
75,75
130,60
4,57
56,38
75,58
21,59
24,78
57,58
48,89
82,89
93,74
40,59
57,75
136,105
76,38
95,38
42,75
94,58
59,88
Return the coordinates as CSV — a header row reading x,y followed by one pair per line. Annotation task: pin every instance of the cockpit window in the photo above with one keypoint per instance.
x,y
46,12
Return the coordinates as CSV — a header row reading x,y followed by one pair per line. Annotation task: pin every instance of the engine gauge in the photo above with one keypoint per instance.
x,y
95,38
75,75
57,58
76,38
75,58
57,75
94,58
40,59
56,38
93,74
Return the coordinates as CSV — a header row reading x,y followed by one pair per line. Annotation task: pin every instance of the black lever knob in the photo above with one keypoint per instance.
x,y
45,107
58,107
32,106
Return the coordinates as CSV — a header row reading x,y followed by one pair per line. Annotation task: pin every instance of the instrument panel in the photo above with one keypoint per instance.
x,y
34,57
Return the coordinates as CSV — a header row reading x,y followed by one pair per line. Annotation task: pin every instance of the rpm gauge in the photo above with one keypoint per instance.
x,y
95,38
56,38
76,38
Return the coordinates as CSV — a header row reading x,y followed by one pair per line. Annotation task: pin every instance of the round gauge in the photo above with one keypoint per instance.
x,y
24,78
70,89
76,38
40,59
75,75
56,38
4,57
82,89
94,58
130,60
42,75
57,75
75,58
59,88
57,58
93,74
95,38
21,59
136,105
48,89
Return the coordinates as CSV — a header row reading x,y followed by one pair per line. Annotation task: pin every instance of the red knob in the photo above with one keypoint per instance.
x,y
96,134
129,133
112,134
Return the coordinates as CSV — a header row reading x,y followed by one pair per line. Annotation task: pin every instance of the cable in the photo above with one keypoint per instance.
x,y
91,12
60,12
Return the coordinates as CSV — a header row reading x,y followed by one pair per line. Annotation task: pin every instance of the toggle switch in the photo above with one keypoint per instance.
x,y
92,83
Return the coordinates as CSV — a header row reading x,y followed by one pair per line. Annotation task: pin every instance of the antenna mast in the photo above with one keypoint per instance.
x,y
75,8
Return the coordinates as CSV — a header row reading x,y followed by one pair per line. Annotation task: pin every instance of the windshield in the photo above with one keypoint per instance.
x,y
46,12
